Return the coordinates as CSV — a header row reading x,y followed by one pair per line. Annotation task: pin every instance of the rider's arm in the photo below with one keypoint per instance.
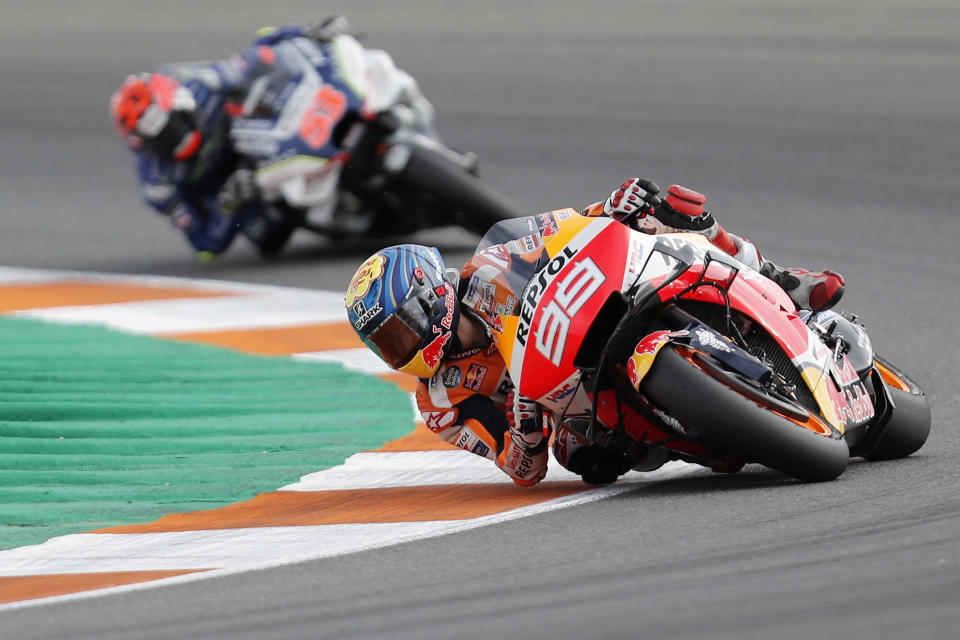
x,y
207,228
160,190
475,423
636,203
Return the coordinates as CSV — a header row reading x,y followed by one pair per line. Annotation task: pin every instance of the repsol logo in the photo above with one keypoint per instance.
x,y
526,465
536,288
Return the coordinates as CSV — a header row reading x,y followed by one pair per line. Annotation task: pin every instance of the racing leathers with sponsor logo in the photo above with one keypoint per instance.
x,y
470,401
466,401
198,129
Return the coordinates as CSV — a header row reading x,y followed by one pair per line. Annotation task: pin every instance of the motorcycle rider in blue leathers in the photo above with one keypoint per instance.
x,y
187,123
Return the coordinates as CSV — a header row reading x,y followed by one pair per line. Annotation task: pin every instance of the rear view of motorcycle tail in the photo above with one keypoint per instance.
x,y
416,182
902,422
824,380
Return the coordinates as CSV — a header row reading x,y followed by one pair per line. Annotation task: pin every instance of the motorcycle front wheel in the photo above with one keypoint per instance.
x,y
735,414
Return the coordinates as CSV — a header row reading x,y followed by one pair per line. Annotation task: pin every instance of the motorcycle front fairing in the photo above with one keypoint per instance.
x,y
586,263
586,260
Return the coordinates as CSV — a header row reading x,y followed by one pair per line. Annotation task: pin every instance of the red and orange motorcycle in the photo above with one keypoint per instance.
x,y
663,347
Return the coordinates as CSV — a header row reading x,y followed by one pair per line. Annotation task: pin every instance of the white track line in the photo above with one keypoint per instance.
x,y
362,360
186,315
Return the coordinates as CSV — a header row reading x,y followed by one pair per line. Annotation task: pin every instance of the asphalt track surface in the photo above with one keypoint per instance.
x,y
826,131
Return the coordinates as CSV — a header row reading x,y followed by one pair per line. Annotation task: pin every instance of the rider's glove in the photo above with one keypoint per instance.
x,y
634,199
682,210
526,423
182,217
524,454
239,190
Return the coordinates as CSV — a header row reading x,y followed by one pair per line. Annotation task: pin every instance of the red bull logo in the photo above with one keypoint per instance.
x,y
475,377
643,355
433,352
652,343
450,302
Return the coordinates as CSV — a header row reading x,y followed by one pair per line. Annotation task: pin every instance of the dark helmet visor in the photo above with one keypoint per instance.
x,y
398,339
178,127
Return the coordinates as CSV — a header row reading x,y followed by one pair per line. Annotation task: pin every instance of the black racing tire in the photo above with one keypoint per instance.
x,y
273,246
478,205
705,402
909,425
284,221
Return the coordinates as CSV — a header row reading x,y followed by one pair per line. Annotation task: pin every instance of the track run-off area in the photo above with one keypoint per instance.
x,y
406,488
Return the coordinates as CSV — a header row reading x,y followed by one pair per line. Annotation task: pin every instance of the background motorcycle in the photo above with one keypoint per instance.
x,y
345,148
728,371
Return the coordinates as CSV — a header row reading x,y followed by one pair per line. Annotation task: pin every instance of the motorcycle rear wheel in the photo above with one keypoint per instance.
x,y
711,403
909,425
477,205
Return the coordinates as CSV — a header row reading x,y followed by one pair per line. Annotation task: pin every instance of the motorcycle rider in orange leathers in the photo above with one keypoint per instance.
x,y
436,324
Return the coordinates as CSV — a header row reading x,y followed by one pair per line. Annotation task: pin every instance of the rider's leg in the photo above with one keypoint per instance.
x,y
815,290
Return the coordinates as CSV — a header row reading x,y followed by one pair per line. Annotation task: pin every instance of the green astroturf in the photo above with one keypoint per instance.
x,y
100,428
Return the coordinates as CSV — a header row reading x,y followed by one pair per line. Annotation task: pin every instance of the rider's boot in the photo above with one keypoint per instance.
x,y
814,290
